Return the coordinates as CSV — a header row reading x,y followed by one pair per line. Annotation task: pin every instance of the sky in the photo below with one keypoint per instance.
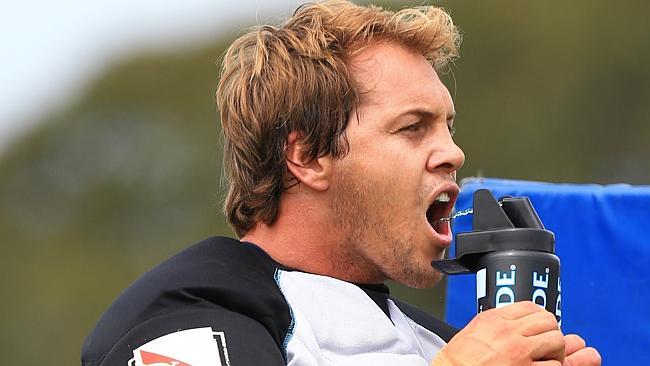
x,y
51,50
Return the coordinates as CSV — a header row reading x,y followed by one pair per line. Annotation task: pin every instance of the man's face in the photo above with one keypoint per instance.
x,y
402,161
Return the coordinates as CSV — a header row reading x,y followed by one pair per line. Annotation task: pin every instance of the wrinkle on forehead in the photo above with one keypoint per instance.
x,y
373,69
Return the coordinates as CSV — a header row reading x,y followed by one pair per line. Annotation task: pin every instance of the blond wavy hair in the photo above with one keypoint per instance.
x,y
296,77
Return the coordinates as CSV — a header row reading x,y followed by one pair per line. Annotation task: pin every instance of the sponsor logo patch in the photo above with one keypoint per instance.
x,y
189,347
151,359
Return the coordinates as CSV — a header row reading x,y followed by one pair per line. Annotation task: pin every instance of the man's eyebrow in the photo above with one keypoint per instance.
x,y
427,113
420,112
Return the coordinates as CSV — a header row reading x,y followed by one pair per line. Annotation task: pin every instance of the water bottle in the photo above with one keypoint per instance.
x,y
511,253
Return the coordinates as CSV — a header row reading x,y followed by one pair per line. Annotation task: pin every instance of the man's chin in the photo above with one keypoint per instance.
x,y
425,279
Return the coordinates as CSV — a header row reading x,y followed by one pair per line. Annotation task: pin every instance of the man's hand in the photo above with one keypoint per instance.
x,y
577,354
519,334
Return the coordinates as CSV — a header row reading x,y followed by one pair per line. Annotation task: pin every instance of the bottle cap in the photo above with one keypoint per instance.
x,y
512,224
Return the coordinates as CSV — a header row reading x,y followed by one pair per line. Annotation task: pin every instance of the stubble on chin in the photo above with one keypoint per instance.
x,y
413,270
372,245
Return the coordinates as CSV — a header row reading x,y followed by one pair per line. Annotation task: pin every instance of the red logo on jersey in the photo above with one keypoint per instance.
x,y
150,358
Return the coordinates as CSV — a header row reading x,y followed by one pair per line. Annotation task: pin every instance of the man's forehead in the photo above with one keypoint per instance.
x,y
390,73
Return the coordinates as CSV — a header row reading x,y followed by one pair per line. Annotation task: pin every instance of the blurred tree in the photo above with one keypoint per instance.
x,y
130,173
102,192
553,90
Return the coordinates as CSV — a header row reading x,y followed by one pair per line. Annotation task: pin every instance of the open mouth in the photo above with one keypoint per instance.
x,y
438,213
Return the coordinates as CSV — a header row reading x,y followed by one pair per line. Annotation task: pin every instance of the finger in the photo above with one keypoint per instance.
x,y
537,323
573,343
547,346
518,310
547,363
583,357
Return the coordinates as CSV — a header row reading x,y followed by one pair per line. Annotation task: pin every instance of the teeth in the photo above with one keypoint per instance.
x,y
443,197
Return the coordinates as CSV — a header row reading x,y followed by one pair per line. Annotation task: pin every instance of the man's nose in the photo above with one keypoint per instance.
x,y
446,156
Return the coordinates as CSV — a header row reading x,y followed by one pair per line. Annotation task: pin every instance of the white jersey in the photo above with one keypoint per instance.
x,y
222,302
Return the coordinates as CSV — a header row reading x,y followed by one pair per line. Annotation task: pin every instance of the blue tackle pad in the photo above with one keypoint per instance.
x,y
602,236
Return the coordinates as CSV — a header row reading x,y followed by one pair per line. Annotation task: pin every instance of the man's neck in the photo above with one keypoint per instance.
x,y
305,240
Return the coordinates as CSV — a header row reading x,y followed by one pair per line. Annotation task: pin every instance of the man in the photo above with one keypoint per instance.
x,y
340,157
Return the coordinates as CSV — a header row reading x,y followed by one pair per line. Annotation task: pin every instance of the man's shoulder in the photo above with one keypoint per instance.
x,y
443,329
219,284
381,296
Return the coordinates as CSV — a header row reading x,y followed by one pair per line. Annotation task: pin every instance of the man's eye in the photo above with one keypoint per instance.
x,y
415,127
452,130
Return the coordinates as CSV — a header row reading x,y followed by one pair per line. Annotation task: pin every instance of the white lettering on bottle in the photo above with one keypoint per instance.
x,y
539,297
558,303
540,284
504,280
505,295
540,280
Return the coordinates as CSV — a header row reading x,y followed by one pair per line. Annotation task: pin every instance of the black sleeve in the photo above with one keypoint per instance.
x,y
203,336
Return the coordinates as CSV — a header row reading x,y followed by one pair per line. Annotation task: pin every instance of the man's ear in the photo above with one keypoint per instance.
x,y
314,173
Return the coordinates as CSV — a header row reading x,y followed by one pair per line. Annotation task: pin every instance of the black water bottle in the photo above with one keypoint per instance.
x,y
511,253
